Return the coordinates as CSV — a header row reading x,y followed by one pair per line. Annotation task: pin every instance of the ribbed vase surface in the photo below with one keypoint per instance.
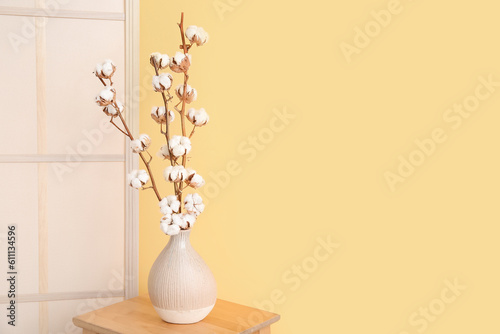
x,y
181,286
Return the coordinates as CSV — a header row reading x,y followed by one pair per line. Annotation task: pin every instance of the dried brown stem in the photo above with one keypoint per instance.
x,y
146,163
192,132
131,137
165,103
116,126
183,108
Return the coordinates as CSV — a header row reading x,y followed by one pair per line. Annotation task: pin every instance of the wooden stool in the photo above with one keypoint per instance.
x,y
137,316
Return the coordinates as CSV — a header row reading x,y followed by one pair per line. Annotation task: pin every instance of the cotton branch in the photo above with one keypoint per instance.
x,y
184,92
128,133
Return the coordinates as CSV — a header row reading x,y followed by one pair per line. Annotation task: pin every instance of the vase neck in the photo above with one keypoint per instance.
x,y
180,240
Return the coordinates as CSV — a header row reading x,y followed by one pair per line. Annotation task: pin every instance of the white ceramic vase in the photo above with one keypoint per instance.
x,y
181,286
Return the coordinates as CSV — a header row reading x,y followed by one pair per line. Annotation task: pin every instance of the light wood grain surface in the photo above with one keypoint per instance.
x,y
137,316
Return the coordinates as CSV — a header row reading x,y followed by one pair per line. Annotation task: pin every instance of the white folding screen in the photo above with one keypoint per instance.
x,y
62,163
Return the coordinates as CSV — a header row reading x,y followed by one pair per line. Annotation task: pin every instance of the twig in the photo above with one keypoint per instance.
x,y
167,114
131,137
126,134
186,78
192,132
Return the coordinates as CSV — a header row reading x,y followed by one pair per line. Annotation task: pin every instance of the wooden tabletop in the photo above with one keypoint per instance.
x,y
137,316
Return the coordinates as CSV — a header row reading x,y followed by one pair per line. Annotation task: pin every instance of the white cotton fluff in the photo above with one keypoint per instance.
x,y
178,219
190,219
180,62
193,203
98,69
107,93
140,144
162,82
170,229
166,210
175,173
191,93
160,116
145,140
110,110
194,180
106,96
105,69
138,178
164,227
198,117
173,202
108,67
169,204
183,220
162,60
167,218
197,35
179,145
164,152
178,58
136,146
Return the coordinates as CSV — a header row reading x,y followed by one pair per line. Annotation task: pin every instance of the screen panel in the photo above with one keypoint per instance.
x,y
75,124
86,227
18,87
19,206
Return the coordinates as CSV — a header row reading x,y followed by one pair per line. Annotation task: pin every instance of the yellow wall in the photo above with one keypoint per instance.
x,y
323,173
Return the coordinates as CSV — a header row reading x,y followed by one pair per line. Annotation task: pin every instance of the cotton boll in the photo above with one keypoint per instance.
x,y
193,204
180,62
163,202
186,142
145,140
136,146
162,82
108,68
143,176
191,31
166,210
179,145
197,198
178,151
164,152
136,183
161,60
110,110
175,173
196,35
198,117
106,96
159,115
167,218
173,229
190,219
105,70
98,69
138,178
140,144
194,180
179,220
173,203
191,93
164,227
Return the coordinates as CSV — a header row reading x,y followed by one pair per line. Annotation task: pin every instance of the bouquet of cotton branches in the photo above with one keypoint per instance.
x,y
177,147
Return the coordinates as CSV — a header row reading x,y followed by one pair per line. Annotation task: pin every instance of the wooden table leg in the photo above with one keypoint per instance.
x,y
266,330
